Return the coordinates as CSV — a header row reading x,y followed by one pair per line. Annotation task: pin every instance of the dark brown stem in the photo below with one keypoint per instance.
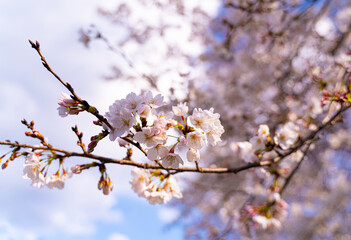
x,y
136,164
80,139
136,144
293,172
74,96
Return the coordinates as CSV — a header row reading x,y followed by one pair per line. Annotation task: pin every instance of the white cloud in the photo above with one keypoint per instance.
x,y
76,210
9,232
117,236
15,102
168,215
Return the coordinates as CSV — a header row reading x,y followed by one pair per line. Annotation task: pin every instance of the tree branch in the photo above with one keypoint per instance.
x,y
308,140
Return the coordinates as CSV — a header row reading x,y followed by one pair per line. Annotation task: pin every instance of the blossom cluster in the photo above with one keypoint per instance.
x,y
260,147
34,168
267,215
105,185
285,137
137,117
154,186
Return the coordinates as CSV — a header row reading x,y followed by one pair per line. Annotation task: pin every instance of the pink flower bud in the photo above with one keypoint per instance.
x,y
74,111
108,186
76,169
101,183
92,146
3,166
66,101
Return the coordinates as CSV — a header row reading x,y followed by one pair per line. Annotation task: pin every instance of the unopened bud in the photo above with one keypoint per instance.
x,y
13,156
108,187
94,138
76,169
29,134
98,122
101,183
92,146
180,127
4,165
74,111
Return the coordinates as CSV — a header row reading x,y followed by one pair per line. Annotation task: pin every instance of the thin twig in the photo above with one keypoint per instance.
x,y
80,139
124,56
136,144
74,96
86,105
294,171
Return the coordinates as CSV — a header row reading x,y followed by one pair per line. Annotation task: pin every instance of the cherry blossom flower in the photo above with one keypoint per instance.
x,y
144,111
156,152
121,123
157,197
263,132
116,109
261,138
193,155
214,136
54,181
140,180
172,160
268,215
182,141
67,106
164,120
201,119
133,102
286,135
32,170
153,102
264,222
66,100
257,143
57,181
246,151
208,122
195,140
154,187
180,110
151,136
166,191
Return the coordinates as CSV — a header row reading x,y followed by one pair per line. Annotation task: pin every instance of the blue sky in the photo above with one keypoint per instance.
x,y
27,90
